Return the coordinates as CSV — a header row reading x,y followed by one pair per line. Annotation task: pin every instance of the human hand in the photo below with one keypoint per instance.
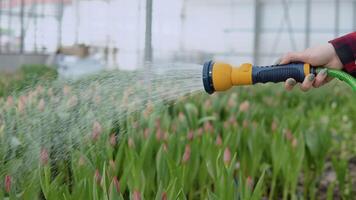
x,y
323,55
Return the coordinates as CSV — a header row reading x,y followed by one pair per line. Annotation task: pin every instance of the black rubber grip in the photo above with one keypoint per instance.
x,y
278,73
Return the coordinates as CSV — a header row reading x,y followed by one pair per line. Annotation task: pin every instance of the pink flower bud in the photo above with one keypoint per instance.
x,y
244,106
186,155
294,143
164,196
97,130
190,135
146,133
159,134
97,177
113,139
218,141
181,116
131,143
158,123
50,92
21,104
231,103
81,161
174,128
249,182
72,101
44,157
136,195
116,184
112,164
9,101
66,90
7,183
208,127
200,132
245,123
41,105
227,156
39,89
274,126
226,125
165,136
207,103
165,147
97,99
288,134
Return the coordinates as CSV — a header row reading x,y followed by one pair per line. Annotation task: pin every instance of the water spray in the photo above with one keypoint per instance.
x,y
220,76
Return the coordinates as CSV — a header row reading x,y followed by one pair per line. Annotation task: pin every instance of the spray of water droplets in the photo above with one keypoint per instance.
x,y
64,114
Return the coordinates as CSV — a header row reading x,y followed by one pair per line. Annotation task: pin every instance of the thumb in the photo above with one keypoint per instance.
x,y
293,57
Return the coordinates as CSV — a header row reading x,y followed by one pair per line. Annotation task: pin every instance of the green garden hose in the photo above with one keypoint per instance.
x,y
343,76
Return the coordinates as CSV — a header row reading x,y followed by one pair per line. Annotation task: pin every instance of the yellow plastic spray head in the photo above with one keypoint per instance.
x,y
219,76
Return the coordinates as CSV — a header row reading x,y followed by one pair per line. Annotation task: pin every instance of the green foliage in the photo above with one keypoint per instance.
x,y
253,143
26,77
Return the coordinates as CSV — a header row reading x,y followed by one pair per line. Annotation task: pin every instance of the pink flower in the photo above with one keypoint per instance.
x,y
174,128
244,106
208,127
200,132
245,123
181,116
113,139
207,103
116,184
294,143
165,136
218,141
227,156
146,133
66,90
131,143
97,177
190,135
165,147
164,196
97,130
249,182
7,183
288,134
72,101
186,155
39,89
44,157
9,101
274,126
50,92
226,125
81,161
158,123
41,105
231,103
159,134
136,195
21,104
112,164
97,99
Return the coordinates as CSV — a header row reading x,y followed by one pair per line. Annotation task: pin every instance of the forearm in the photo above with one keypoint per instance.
x,y
345,48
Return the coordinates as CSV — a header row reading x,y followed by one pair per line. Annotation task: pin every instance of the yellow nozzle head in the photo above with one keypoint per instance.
x,y
222,76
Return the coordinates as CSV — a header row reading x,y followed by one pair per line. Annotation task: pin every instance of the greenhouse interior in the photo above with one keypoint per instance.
x,y
178,99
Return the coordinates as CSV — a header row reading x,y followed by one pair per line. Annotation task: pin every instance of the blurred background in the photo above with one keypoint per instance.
x,y
82,36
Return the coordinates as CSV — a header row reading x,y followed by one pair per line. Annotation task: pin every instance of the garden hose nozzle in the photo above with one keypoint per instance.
x,y
220,76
